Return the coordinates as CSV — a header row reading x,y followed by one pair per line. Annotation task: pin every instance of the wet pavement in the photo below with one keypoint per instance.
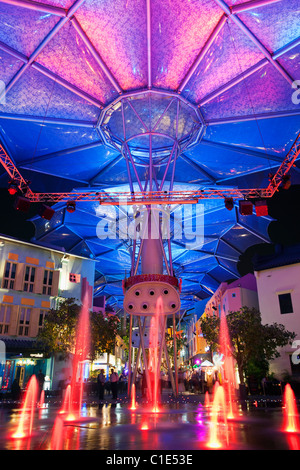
x,y
182,423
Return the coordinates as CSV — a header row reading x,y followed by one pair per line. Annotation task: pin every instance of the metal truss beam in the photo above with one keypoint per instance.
x,y
96,55
254,117
47,120
155,197
240,8
149,47
31,5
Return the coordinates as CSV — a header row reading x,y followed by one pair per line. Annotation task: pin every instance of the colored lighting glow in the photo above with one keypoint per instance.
x,y
133,403
291,421
25,428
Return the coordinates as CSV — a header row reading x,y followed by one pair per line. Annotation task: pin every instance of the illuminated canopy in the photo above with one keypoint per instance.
x,y
66,66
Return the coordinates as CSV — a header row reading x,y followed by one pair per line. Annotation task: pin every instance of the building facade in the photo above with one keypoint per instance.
x,y
229,297
33,279
278,285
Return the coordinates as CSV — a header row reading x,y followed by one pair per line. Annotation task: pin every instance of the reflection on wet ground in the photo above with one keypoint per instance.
x,y
180,425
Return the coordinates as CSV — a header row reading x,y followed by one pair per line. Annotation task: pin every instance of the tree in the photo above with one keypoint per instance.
x,y
59,330
252,343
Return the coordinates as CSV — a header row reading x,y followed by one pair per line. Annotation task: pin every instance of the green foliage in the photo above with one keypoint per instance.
x,y
253,344
58,332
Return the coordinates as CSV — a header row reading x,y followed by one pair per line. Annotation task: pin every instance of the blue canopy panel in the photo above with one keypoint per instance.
x,y
238,67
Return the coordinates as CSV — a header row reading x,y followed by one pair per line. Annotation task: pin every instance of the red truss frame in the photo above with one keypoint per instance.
x,y
152,197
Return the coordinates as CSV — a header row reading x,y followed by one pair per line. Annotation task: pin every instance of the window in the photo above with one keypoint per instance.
x,y
74,278
43,313
9,275
29,279
233,294
5,311
24,321
47,282
285,303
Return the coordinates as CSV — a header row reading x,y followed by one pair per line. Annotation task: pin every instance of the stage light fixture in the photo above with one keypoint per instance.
x,y
12,188
46,212
71,206
22,204
261,208
229,204
245,207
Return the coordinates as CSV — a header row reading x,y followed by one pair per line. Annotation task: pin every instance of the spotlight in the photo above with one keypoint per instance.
x,y
71,206
46,212
286,181
22,204
245,207
261,208
229,204
12,188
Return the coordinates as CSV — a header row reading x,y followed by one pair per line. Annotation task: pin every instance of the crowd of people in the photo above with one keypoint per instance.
x,y
189,380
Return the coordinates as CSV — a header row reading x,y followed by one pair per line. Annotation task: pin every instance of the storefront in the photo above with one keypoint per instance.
x,y
23,358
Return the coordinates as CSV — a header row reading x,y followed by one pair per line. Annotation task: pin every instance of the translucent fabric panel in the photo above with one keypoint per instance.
x,y
67,56
210,283
230,55
226,271
81,166
291,62
44,139
227,251
118,32
179,32
43,226
275,25
264,91
223,162
191,257
241,238
24,29
9,66
257,224
202,265
62,237
37,95
270,136
82,250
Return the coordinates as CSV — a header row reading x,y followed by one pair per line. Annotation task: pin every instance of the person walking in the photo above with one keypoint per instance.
x,y
100,382
114,379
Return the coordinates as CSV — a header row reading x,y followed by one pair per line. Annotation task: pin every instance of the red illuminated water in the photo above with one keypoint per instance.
x,y
41,403
154,353
218,417
66,408
290,411
133,402
57,435
26,418
229,382
81,353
